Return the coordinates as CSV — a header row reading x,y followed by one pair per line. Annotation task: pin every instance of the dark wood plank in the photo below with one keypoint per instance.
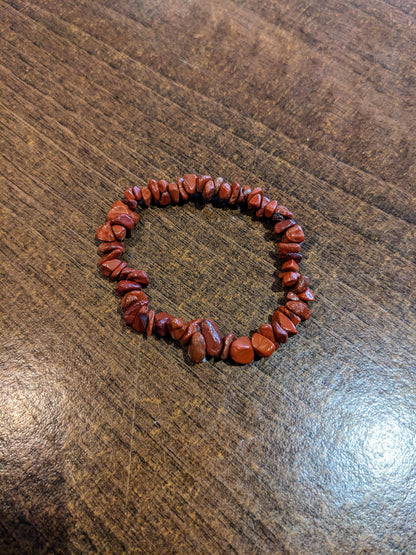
x,y
113,442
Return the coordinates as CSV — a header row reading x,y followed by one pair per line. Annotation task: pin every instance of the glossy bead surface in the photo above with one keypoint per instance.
x,y
283,225
241,350
120,232
154,189
212,336
139,276
140,322
176,328
299,308
270,208
294,234
290,265
262,346
125,286
285,322
161,323
306,295
280,334
235,191
228,339
197,347
150,322
174,192
189,183
192,327
267,331
109,266
105,233
110,246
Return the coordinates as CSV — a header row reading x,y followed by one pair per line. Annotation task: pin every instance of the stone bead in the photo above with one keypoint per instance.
x,y
301,285
128,194
105,233
254,202
251,193
124,220
191,328
140,322
294,317
189,183
280,334
283,225
120,232
139,276
162,186
285,322
254,192
174,192
306,296
291,296
115,273
161,323
283,211
132,204
267,331
110,246
137,193
108,267
208,191
235,191
264,202
291,266
262,346
200,182
134,297
228,339
150,322
284,248
125,272
299,308
241,350
165,199
270,208
176,328
182,192
217,185
124,286
244,193
296,256
146,196
225,191
131,312
289,278
197,347
118,208
212,336
116,253
294,234
154,189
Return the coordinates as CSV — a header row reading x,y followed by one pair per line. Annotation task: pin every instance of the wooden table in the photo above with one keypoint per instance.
x,y
110,442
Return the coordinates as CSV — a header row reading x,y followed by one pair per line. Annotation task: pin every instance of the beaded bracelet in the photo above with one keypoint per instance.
x,y
202,336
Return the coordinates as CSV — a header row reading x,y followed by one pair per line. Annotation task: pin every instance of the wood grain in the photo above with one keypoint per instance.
x,y
113,443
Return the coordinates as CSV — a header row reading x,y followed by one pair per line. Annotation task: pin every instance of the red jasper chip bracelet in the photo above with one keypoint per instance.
x,y
202,336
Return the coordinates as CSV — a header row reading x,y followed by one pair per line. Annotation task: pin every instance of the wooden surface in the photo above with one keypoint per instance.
x,y
113,443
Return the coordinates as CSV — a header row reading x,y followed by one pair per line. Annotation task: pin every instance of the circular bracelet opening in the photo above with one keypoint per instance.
x,y
201,335
206,271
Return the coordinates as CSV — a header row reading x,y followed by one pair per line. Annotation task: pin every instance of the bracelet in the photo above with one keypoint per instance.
x,y
202,336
